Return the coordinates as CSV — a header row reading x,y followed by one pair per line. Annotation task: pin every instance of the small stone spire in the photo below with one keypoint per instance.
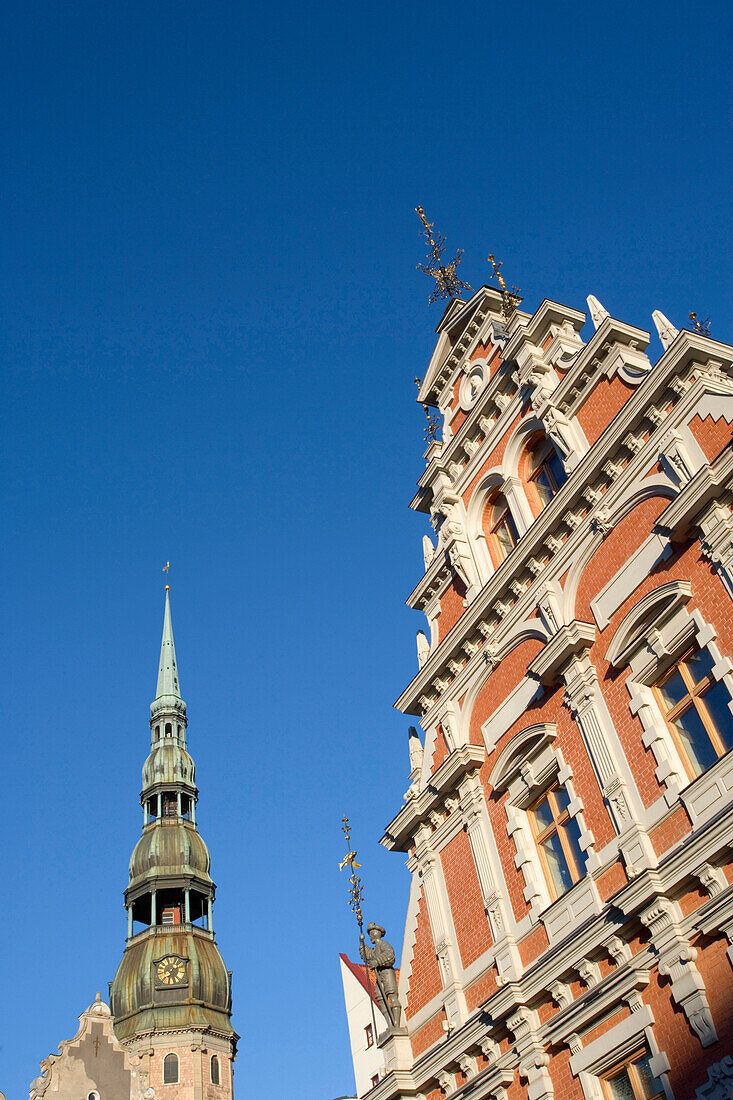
x,y
597,312
416,752
168,669
664,327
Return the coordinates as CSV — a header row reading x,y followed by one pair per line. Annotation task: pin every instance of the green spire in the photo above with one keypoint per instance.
x,y
168,669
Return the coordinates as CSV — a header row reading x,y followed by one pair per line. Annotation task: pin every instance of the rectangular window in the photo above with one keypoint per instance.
x,y
632,1080
369,1034
557,837
695,706
375,1080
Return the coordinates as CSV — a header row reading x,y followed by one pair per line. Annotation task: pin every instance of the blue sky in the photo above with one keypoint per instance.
x,y
211,324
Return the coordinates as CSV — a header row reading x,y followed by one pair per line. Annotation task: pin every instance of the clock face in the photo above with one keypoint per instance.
x,y
171,970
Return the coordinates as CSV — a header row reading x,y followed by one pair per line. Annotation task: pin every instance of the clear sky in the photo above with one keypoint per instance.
x,y
211,324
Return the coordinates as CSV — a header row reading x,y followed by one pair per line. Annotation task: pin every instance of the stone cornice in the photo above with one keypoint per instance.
x,y
460,762
575,637
617,459
704,486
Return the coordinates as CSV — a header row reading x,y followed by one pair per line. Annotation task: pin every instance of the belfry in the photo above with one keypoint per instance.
x,y
167,1031
171,995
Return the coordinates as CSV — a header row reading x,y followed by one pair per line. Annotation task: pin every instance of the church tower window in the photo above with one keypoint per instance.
x,y
170,1069
215,1080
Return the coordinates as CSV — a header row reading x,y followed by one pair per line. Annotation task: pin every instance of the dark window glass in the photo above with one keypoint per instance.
x,y
170,1069
214,1070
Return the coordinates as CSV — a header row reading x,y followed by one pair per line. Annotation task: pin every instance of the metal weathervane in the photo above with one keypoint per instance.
x,y
701,327
510,299
447,283
356,897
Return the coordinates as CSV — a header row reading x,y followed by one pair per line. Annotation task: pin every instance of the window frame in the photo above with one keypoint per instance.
x,y
655,634
557,826
692,700
540,452
212,1061
628,1063
369,1036
505,521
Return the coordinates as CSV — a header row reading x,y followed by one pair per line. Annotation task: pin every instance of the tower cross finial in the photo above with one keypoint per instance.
x,y
447,283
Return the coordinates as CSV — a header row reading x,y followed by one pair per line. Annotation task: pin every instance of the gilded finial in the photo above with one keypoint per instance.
x,y
430,431
166,567
701,327
510,299
447,283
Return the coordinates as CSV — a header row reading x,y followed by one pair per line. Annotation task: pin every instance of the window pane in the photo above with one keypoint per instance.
x,y
700,664
697,744
572,834
503,534
557,469
620,1086
562,799
544,486
673,690
716,700
542,815
650,1084
556,863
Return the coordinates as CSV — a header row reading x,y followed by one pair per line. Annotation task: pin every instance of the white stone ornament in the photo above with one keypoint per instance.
x,y
664,327
597,312
428,550
423,648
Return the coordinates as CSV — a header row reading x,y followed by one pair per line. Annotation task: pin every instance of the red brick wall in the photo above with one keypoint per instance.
x,y
712,435
605,401
424,974
464,897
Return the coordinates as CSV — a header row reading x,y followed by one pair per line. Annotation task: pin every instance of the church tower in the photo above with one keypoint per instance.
x,y
171,996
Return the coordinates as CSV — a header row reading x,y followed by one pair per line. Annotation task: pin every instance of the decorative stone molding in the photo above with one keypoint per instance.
x,y
533,1058
560,993
716,527
589,972
719,1085
711,878
677,962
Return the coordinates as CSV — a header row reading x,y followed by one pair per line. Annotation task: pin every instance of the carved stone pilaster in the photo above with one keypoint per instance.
x,y
677,962
716,527
533,1058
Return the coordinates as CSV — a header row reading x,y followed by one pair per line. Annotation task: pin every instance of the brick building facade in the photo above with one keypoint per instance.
x,y
569,820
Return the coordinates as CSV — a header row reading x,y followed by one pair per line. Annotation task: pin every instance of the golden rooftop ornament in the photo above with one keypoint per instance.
x,y
447,283
430,431
510,299
356,896
701,327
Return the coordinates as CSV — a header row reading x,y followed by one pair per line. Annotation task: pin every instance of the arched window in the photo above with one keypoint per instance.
x,y
169,729
214,1070
545,471
500,528
170,1069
